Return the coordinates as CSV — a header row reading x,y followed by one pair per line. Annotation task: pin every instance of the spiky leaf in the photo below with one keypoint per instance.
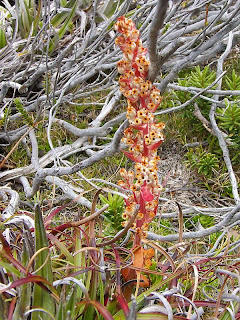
x,y
43,268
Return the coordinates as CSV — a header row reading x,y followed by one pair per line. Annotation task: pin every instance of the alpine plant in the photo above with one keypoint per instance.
x,y
144,135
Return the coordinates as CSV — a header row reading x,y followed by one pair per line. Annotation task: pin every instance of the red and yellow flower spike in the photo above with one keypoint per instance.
x,y
144,135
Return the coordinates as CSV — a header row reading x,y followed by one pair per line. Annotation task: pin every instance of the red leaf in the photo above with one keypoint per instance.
x,y
123,303
37,279
101,309
53,213
11,259
11,308
5,244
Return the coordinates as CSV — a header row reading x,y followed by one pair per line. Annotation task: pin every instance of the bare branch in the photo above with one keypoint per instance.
x,y
209,91
207,125
156,25
13,202
229,219
217,131
187,103
196,52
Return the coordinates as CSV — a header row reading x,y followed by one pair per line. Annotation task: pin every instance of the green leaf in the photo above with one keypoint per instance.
x,y
37,18
61,315
110,198
3,40
53,42
103,199
43,268
61,16
62,247
71,303
10,268
24,23
205,71
64,28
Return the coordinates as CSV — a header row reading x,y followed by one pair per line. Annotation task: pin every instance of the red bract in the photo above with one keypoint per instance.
x,y
146,193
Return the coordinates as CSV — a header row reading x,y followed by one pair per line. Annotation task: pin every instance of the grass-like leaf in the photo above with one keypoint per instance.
x,y
41,298
3,40
61,16
64,28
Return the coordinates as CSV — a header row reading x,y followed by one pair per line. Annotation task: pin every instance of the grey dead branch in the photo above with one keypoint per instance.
x,y
83,64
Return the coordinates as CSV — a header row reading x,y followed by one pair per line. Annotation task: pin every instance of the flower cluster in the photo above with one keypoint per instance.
x,y
144,135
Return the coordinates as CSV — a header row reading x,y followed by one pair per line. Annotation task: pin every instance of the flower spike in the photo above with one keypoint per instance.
x,y
144,135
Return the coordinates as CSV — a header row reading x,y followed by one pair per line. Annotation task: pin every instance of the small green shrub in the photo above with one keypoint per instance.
x,y
204,162
229,120
113,215
204,220
20,108
4,116
200,78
